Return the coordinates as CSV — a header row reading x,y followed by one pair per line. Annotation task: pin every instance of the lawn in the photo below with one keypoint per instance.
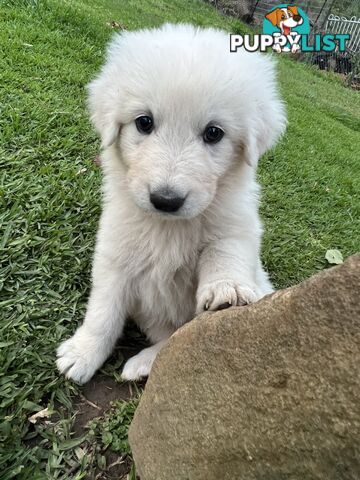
x,y
50,205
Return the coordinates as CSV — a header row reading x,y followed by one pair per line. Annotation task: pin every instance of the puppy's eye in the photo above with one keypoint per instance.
x,y
144,124
213,134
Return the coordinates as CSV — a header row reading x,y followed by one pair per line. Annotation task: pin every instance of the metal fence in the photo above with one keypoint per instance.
x,y
345,63
325,16
336,24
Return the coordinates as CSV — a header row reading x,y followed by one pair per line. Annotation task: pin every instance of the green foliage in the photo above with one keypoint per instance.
x,y
112,429
345,8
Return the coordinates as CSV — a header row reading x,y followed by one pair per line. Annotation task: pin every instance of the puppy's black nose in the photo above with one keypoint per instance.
x,y
166,200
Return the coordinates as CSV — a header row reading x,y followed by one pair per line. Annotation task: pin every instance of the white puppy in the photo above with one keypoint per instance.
x,y
183,123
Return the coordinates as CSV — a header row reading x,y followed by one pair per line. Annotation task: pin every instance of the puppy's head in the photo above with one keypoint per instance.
x,y
180,112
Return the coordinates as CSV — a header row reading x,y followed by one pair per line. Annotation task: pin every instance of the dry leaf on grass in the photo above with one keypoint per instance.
x,y
42,414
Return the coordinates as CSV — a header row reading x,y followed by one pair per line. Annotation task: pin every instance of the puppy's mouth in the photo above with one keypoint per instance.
x,y
182,214
167,215
169,204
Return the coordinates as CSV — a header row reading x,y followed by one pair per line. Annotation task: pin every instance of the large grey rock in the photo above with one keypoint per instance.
x,y
269,391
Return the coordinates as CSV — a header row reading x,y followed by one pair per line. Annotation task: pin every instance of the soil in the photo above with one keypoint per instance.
x,y
96,397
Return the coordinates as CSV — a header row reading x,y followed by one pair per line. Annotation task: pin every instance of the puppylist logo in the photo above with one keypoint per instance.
x,y
286,28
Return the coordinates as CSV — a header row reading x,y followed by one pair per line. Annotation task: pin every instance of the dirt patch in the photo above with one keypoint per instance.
x,y
95,399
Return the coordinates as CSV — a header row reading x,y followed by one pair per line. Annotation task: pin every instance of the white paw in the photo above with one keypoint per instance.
x,y
79,357
140,365
224,294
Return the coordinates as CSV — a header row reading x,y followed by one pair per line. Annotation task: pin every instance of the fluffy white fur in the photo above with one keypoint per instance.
x,y
158,268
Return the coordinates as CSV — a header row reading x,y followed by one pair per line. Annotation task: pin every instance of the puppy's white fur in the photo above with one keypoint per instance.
x,y
160,268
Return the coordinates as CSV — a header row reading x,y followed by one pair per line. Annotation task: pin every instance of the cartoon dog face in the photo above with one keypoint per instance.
x,y
285,18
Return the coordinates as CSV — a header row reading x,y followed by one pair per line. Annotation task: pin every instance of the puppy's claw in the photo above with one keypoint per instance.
x,y
242,303
224,294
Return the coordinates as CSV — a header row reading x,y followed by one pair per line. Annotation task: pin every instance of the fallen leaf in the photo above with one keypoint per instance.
x,y
42,414
334,257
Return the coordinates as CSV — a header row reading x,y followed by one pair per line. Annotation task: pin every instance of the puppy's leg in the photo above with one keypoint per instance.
x,y
85,352
228,275
140,365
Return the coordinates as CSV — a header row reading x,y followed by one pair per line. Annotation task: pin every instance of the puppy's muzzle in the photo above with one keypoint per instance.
x,y
167,200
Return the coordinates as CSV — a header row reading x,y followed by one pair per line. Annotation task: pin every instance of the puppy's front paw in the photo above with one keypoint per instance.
x,y
79,357
140,365
224,294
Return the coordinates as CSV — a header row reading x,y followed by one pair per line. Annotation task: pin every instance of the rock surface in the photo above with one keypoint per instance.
x,y
269,391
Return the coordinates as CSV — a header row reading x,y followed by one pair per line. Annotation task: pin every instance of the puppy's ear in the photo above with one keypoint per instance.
x,y
267,115
248,150
102,105
265,132
273,16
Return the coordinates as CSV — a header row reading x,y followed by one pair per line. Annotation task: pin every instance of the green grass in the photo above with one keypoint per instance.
x,y
111,430
49,193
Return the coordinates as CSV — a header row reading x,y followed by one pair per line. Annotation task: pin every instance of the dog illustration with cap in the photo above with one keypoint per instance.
x,y
285,19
